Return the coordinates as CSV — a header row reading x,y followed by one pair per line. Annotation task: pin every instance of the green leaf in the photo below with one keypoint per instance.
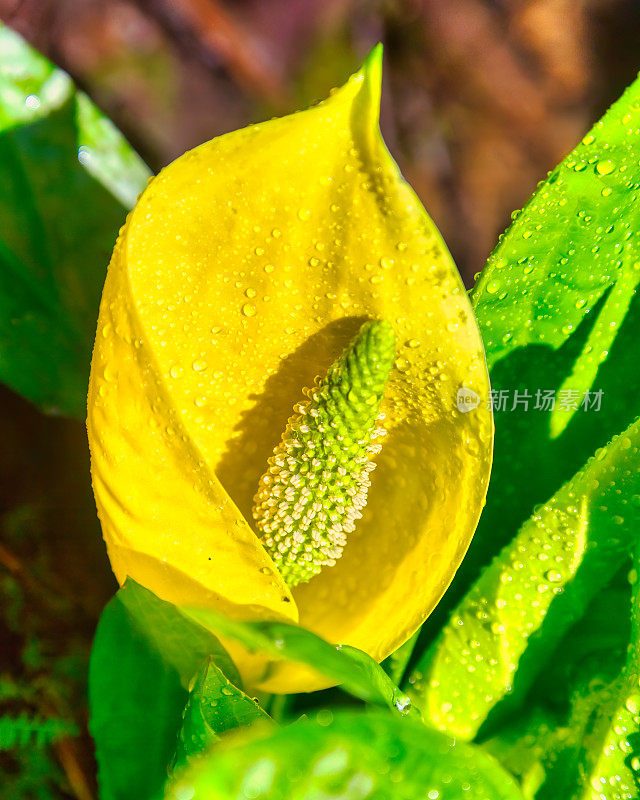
x,y
67,178
509,623
144,657
215,707
357,672
558,310
609,761
593,652
561,284
396,664
591,748
524,747
183,644
543,745
347,756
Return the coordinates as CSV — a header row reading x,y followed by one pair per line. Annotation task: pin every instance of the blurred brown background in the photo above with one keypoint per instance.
x,y
481,98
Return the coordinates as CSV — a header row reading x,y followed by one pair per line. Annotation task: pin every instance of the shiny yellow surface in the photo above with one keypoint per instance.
x,y
242,273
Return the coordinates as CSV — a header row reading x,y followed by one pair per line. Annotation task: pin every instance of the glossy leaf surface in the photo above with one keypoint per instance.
x,y
66,177
510,621
215,706
144,657
347,756
558,309
357,672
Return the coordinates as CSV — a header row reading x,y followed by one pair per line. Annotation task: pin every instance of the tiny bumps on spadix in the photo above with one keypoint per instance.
x,y
316,485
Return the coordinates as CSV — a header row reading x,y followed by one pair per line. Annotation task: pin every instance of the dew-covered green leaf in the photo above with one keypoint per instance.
x,y
592,751
67,177
215,706
569,265
559,312
524,745
509,623
609,763
144,656
346,756
357,672
546,753
543,745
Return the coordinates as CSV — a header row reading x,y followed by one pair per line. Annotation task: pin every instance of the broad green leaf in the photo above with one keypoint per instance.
x,y
346,757
558,310
67,177
144,656
544,744
609,764
215,706
524,745
357,672
509,623
182,643
136,700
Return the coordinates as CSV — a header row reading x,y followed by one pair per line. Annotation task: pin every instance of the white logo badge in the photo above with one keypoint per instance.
x,y
467,400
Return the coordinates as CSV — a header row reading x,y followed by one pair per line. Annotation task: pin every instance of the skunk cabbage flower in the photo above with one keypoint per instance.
x,y
277,299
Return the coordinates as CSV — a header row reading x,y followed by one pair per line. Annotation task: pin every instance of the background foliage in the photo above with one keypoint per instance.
x,y
480,101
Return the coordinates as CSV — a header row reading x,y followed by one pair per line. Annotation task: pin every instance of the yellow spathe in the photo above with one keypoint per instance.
x,y
242,273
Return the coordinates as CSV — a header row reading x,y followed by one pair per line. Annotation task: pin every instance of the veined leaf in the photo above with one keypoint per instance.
x,y
357,672
66,177
610,758
524,745
558,310
347,756
543,746
144,656
215,706
512,618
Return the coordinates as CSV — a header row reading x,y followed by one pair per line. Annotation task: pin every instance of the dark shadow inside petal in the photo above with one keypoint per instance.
x,y
260,428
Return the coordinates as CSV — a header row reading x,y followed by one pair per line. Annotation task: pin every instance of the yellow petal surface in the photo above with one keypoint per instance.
x,y
242,273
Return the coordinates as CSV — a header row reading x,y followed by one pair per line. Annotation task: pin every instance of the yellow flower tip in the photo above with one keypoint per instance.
x,y
318,478
371,70
366,107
